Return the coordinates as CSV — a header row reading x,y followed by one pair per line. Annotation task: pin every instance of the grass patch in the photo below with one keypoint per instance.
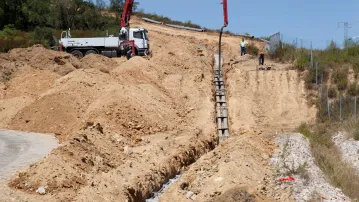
x,y
284,53
356,135
340,78
328,158
353,89
332,92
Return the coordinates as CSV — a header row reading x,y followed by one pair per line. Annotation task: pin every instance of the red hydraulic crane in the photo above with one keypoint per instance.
x,y
127,12
125,23
225,14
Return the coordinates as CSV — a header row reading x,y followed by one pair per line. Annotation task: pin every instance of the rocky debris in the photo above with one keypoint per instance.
x,y
294,158
349,149
189,194
41,190
127,150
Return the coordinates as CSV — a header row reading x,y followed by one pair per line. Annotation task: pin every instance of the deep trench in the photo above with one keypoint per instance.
x,y
163,178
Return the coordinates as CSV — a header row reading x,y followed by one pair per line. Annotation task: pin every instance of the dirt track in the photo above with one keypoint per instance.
x,y
18,150
129,126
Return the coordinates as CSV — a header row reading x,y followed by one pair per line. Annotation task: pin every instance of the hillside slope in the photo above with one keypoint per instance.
x,y
126,127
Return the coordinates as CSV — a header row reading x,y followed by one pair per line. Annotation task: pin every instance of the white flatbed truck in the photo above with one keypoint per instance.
x,y
110,46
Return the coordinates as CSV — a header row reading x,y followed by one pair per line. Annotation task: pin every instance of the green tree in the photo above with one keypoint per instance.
x,y
12,14
116,5
100,4
39,12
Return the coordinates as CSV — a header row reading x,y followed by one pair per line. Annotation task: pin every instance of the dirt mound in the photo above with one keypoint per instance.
x,y
128,126
148,109
62,109
31,83
41,58
100,62
7,67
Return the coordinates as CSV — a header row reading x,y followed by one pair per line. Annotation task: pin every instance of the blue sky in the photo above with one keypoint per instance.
x,y
310,20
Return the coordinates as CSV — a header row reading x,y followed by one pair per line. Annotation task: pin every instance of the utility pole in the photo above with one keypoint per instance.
x,y
346,31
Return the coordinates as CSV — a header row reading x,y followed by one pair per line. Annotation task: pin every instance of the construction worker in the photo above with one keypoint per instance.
x,y
261,57
243,47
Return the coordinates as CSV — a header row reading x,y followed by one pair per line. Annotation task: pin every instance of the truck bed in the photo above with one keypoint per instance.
x,y
92,42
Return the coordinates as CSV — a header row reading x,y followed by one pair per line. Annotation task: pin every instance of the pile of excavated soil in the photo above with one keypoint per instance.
x,y
260,104
241,164
37,57
125,126
95,61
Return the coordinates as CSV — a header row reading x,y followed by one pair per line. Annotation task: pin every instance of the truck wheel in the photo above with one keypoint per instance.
x,y
77,54
129,54
91,52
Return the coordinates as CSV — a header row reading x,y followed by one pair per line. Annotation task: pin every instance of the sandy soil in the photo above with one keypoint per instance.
x,y
126,127
261,105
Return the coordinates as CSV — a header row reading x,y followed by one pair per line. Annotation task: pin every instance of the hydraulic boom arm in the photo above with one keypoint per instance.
x,y
127,12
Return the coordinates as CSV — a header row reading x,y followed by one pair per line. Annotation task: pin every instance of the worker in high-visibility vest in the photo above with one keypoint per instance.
x,y
243,47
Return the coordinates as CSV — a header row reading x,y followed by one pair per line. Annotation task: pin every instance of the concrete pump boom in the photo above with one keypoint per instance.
x,y
127,12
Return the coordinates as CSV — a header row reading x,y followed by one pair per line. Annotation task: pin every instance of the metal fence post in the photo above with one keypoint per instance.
x,y
321,87
328,104
355,107
311,56
340,108
316,73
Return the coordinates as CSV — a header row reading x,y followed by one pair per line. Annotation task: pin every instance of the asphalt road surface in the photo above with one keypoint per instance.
x,y
18,150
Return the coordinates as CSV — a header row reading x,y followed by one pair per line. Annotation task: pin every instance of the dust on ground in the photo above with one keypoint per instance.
x,y
125,126
261,105
128,126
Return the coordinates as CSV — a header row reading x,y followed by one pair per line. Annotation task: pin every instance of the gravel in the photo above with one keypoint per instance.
x,y
349,149
294,158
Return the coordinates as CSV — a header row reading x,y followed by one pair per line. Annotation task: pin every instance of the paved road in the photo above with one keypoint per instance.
x,y
18,150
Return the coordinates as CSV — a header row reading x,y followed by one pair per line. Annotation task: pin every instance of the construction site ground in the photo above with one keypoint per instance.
x,y
126,127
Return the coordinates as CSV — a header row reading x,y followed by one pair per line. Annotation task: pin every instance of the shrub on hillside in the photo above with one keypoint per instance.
x,y
353,89
43,35
356,135
252,49
8,31
302,61
340,78
332,92
284,53
355,64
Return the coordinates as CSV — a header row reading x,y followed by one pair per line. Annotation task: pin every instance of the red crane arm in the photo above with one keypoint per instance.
x,y
225,12
126,15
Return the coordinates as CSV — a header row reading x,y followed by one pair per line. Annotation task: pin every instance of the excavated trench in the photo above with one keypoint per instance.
x,y
194,151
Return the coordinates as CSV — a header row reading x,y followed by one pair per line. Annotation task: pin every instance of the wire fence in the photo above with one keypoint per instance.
x,y
331,106
338,109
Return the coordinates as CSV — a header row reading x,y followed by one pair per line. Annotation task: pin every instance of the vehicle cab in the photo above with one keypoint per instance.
x,y
140,37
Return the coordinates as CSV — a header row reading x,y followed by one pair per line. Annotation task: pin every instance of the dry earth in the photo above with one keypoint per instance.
x,y
261,104
126,127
